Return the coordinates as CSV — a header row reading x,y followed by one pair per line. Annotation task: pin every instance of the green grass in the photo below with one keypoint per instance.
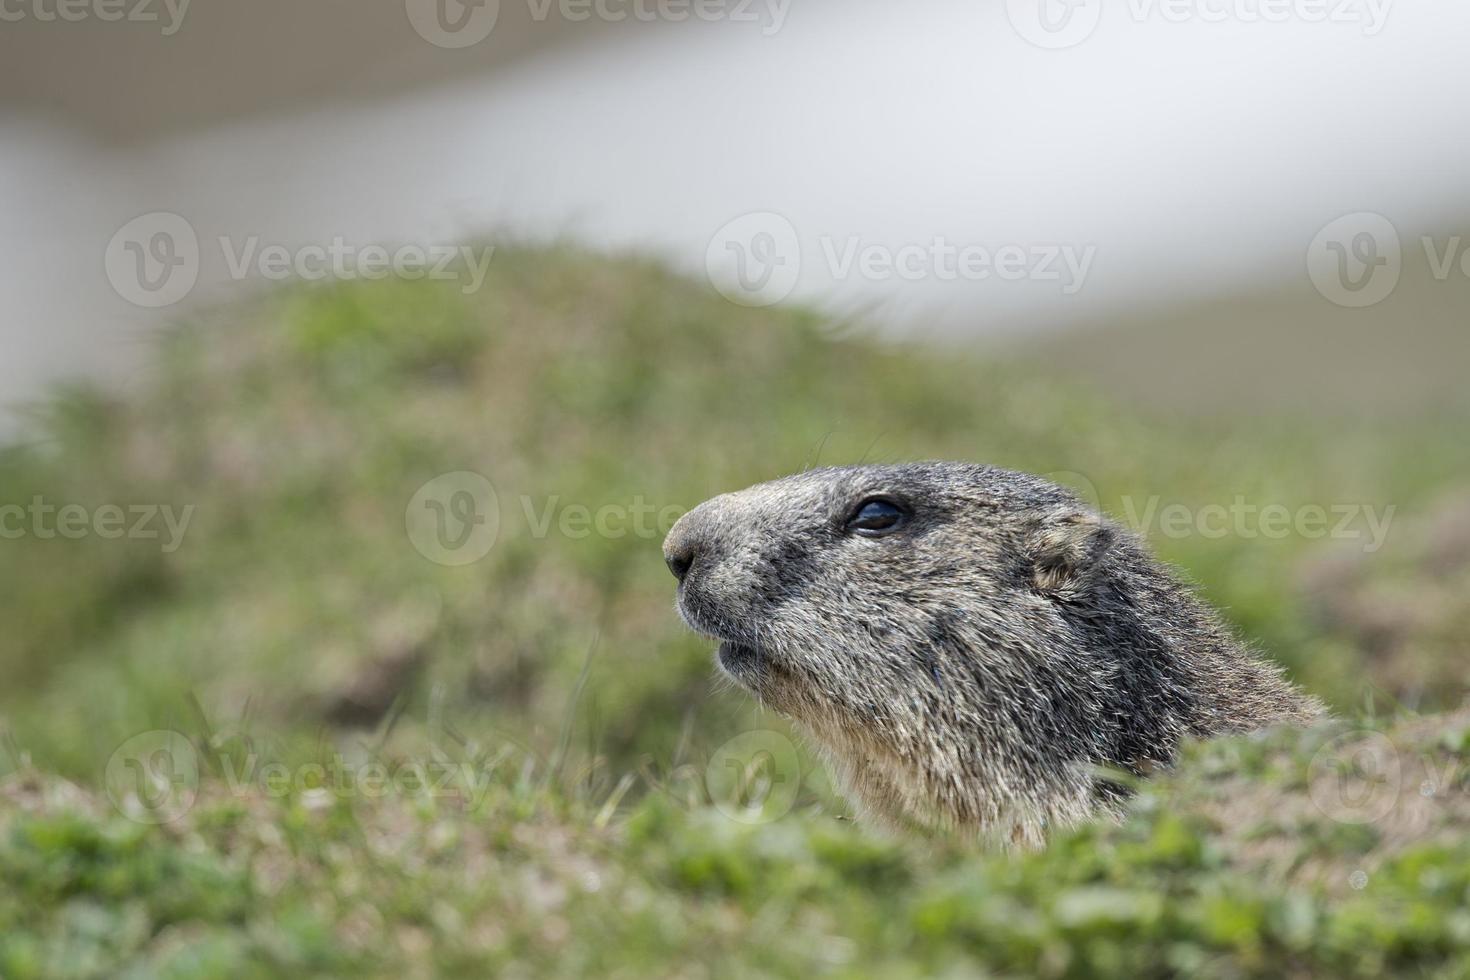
x,y
297,622
536,880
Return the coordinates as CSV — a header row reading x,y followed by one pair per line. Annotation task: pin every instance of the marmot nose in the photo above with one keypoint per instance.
x,y
680,559
692,543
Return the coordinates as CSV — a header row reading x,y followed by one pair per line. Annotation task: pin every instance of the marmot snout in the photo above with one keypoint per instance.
x,y
967,645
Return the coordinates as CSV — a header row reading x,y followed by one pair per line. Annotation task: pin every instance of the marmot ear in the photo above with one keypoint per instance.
x,y
1065,549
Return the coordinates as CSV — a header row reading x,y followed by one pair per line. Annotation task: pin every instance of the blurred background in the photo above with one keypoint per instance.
x,y
1192,152
298,276
356,358
240,238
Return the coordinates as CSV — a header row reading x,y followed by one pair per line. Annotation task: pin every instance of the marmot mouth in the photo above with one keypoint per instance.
x,y
742,662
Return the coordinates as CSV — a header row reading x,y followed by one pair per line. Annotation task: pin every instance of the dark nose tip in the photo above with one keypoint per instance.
x,y
687,546
680,562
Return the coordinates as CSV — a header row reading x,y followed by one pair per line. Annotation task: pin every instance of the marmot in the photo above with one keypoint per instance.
x,y
970,648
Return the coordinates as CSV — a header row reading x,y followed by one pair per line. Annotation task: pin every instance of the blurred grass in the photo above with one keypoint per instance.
x,y
298,615
1282,347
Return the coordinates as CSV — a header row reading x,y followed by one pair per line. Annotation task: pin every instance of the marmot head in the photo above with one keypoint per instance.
x,y
968,645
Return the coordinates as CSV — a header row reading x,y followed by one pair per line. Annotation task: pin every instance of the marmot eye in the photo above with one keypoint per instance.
x,y
876,517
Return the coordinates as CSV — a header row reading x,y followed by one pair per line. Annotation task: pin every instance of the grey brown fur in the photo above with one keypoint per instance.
x,y
977,668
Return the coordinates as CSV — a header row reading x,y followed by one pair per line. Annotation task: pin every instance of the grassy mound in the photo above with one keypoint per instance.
x,y
314,605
